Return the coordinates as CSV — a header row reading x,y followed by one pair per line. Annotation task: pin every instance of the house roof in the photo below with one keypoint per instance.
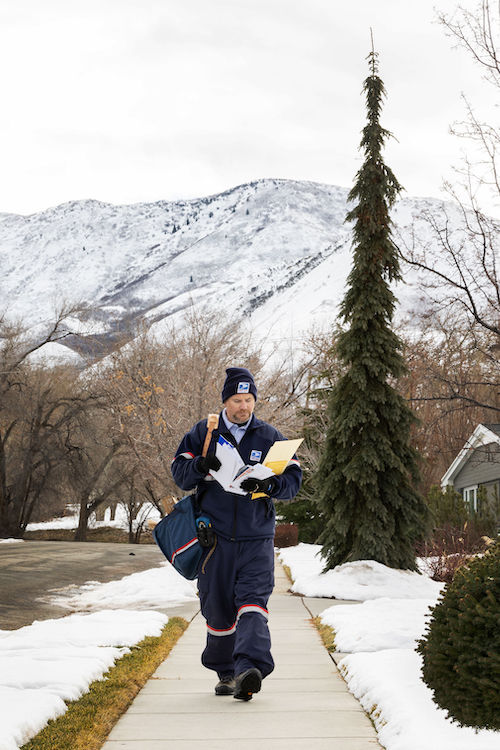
x,y
493,427
484,434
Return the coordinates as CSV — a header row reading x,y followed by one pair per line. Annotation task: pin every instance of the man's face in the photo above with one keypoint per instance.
x,y
239,408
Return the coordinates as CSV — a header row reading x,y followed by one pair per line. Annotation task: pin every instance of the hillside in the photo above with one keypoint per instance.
x,y
276,252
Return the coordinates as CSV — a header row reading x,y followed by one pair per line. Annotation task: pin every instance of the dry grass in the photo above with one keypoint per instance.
x,y
89,720
102,534
327,634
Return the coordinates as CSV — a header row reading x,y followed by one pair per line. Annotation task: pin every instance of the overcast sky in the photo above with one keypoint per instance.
x,y
143,100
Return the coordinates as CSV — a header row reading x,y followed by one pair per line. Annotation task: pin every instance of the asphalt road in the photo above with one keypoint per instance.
x,y
29,570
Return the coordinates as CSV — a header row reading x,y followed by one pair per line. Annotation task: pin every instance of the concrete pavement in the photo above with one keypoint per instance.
x,y
304,703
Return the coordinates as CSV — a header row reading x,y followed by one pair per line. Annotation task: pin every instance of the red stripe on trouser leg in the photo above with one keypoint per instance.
x,y
235,587
252,608
219,633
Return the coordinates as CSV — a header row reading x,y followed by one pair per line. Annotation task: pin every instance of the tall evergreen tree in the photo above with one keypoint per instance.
x,y
368,471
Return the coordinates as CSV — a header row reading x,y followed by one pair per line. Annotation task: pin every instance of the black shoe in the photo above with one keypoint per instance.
x,y
247,683
225,686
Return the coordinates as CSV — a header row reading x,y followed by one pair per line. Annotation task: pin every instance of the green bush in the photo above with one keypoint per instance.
x,y
305,514
461,647
446,507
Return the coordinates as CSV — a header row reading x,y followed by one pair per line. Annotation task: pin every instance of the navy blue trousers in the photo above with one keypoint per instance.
x,y
235,583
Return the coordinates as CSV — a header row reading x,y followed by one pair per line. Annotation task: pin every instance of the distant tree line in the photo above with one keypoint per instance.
x,y
107,434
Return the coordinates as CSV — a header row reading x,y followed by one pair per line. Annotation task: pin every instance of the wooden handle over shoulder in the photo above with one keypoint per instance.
x,y
212,424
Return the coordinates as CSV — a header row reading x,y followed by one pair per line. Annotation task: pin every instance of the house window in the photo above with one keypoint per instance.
x,y
470,498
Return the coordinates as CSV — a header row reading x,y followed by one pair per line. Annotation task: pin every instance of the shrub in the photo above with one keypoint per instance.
x,y
461,647
305,514
286,535
446,507
449,549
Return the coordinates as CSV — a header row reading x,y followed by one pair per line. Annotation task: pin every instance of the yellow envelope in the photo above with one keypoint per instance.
x,y
278,457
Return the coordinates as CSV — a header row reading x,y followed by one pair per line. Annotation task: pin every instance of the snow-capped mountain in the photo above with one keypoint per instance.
x,y
276,252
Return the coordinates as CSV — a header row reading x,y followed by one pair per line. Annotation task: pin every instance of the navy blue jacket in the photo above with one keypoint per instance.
x,y
235,517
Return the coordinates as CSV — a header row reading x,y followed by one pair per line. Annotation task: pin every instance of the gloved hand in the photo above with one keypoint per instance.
x,y
268,486
205,463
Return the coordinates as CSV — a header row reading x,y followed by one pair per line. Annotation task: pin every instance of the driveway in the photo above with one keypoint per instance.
x,y
32,569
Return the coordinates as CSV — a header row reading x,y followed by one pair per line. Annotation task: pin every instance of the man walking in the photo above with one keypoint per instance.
x,y
236,575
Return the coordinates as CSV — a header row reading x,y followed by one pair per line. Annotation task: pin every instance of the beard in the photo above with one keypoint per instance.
x,y
241,421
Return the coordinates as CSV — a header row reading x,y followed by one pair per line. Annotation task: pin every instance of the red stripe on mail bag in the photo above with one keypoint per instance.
x,y
184,548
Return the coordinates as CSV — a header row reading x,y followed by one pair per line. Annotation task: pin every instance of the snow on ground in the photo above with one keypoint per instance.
x,y
383,669
158,587
70,522
119,522
11,541
357,581
48,662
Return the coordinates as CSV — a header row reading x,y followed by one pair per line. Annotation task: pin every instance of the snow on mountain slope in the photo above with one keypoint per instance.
x,y
276,252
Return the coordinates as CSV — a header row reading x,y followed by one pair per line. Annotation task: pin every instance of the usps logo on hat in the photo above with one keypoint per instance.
x,y
243,388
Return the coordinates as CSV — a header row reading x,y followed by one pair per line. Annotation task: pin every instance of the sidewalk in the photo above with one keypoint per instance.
x,y
304,703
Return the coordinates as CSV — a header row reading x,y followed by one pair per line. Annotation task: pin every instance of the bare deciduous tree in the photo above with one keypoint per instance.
x,y
451,386
157,388
40,410
456,249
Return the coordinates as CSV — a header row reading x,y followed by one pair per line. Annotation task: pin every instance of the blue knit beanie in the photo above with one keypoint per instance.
x,y
238,380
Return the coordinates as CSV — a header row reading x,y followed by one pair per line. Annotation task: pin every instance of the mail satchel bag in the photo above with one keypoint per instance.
x,y
177,537
183,534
